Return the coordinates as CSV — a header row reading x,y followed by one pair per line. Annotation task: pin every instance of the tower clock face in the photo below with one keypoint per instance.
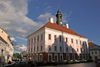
x,y
60,22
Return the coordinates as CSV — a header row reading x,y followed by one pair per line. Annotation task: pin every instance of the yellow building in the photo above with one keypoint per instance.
x,y
6,46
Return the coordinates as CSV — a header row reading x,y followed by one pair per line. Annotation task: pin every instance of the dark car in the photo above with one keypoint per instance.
x,y
51,63
42,63
97,60
18,64
31,64
36,63
98,64
63,62
89,60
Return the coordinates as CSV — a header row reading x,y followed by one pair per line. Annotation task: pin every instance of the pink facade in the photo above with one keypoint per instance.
x,y
52,49
54,42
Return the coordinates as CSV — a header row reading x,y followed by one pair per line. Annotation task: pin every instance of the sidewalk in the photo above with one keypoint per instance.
x,y
3,64
6,64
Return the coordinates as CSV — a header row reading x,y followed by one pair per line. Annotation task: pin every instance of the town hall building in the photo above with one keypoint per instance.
x,y
55,42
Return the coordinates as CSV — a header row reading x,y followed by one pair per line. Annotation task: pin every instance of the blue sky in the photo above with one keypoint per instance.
x,y
21,18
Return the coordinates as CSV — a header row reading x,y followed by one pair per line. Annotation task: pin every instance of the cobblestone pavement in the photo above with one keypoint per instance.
x,y
75,65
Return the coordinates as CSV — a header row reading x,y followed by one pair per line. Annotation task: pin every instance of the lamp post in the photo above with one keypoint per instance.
x,y
2,54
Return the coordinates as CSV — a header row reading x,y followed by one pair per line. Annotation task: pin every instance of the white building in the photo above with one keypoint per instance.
x,y
55,42
94,51
6,46
23,55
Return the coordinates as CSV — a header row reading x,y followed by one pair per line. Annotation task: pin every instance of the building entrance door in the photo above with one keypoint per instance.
x,y
55,58
40,57
49,58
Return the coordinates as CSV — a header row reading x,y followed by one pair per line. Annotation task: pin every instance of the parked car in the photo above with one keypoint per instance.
x,y
70,61
97,60
61,62
31,64
65,61
51,63
18,64
76,61
36,63
42,63
82,60
98,64
89,60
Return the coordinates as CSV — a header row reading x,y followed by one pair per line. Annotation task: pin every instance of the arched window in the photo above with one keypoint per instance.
x,y
49,47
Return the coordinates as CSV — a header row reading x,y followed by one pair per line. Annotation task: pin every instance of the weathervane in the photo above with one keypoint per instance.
x,y
58,6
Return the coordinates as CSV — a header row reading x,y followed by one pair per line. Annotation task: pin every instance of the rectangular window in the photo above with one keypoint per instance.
x,y
49,47
34,39
60,38
38,38
81,49
60,48
95,52
71,40
66,40
41,37
41,47
92,52
72,50
55,37
80,42
55,48
66,49
49,36
95,57
34,48
84,50
77,50
31,49
37,48
76,41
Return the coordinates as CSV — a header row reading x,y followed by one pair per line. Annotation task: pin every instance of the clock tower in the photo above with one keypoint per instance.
x,y
59,18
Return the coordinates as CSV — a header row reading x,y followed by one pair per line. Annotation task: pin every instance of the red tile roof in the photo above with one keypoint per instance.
x,y
91,44
60,28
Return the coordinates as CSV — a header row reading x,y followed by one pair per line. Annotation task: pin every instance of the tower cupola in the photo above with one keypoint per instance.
x,y
59,18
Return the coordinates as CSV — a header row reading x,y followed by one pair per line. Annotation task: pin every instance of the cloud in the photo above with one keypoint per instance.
x,y
13,18
22,38
45,17
19,47
14,21
66,17
20,30
13,39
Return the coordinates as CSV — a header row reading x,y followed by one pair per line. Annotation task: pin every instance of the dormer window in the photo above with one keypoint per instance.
x,y
1,31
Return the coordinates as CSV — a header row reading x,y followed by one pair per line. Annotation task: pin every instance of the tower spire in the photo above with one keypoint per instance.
x,y
59,18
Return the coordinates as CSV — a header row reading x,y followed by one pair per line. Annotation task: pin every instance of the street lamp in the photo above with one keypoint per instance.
x,y
2,57
2,53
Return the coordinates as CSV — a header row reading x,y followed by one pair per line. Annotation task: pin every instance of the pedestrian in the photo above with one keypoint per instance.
x,y
9,62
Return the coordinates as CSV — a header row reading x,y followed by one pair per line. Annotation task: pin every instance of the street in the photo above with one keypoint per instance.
x,y
75,65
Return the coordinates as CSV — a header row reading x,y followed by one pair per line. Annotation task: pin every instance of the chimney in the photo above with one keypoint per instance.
x,y
66,25
51,20
91,41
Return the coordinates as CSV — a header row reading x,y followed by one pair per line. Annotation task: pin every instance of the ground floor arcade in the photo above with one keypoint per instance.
x,y
56,56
